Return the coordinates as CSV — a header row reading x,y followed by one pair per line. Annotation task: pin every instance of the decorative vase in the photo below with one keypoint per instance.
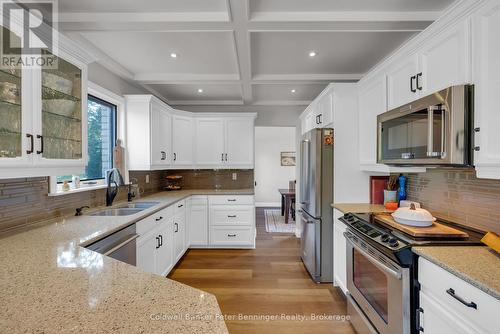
x,y
402,188
390,196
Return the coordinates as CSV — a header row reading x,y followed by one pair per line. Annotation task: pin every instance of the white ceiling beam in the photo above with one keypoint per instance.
x,y
169,78
324,16
206,102
306,77
144,17
282,103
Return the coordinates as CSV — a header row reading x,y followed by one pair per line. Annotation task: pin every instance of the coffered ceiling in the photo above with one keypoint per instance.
x,y
243,53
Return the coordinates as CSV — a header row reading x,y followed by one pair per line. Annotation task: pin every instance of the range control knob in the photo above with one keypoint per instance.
x,y
393,242
385,237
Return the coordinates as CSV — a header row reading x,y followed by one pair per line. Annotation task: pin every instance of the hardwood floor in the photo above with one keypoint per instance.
x,y
268,280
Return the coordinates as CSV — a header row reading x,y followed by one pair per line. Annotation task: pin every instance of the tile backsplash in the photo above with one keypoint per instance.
x,y
456,195
24,201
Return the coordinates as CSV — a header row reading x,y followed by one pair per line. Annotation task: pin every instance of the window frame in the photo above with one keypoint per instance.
x,y
109,97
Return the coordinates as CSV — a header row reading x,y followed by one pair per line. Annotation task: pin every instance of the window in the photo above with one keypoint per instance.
x,y
101,128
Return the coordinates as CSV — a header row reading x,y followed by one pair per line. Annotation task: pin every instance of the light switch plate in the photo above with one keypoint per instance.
x,y
235,176
147,178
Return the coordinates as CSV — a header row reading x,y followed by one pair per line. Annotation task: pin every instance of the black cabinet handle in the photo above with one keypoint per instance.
x,y
231,235
175,156
414,90
417,320
159,218
232,200
163,155
231,216
157,242
320,120
41,144
226,156
176,227
451,292
30,136
419,86
180,205
161,240
222,157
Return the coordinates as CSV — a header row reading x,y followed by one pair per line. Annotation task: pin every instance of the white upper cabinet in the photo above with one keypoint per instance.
x,y
149,133
319,113
225,142
371,103
182,141
486,57
402,82
239,151
445,60
210,136
161,136
43,116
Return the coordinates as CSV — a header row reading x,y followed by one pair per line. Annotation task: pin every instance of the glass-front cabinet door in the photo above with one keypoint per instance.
x,y
15,141
63,121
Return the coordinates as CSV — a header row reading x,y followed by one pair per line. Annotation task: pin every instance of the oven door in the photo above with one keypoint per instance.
x,y
379,288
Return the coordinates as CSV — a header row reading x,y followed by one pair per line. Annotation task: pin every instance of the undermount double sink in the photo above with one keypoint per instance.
x,y
125,209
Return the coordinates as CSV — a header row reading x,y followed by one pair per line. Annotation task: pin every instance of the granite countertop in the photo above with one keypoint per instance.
x,y
50,284
476,265
360,208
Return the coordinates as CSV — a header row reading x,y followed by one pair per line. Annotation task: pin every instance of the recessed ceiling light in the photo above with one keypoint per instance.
x,y
293,90
200,90
312,54
173,55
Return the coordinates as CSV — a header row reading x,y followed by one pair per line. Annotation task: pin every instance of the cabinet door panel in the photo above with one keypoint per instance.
x,y
398,82
487,85
372,102
164,254
209,142
146,252
326,108
182,140
161,134
198,225
445,59
179,226
239,142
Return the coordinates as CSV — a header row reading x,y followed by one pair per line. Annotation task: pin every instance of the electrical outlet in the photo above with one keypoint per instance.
x,y
147,178
235,176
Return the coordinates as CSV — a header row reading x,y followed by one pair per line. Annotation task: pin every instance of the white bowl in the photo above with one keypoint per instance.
x,y
410,222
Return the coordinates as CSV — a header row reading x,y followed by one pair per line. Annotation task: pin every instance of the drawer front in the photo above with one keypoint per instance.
x,y
232,215
147,224
435,282
231,236
231,200
198,200
179,207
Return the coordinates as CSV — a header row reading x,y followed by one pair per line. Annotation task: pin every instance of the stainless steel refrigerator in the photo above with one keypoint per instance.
x,y
316,196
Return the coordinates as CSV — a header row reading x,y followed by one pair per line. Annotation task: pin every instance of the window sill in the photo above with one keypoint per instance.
x,y
82,188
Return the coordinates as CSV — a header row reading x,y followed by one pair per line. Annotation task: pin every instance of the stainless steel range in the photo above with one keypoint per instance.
x,y
382,273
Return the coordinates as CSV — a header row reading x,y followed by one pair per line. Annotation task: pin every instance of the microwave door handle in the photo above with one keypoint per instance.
x,y
370,258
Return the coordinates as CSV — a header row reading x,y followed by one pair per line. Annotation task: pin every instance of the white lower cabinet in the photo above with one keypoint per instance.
x,y
232,221
339,252
451,305
165,235
179,228
198,221
154,245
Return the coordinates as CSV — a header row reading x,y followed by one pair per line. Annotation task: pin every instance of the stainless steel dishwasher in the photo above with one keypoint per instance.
x,y
120,245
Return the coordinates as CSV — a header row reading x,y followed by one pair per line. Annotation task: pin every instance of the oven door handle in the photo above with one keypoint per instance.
x,y
370,258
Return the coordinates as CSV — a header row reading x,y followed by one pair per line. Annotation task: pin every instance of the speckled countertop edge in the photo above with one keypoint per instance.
x,y
477,265
360,208
50,283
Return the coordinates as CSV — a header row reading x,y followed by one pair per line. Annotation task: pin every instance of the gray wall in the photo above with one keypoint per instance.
x,y
104,78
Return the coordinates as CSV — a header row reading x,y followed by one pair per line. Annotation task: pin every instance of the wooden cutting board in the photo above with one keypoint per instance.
x,y
436,230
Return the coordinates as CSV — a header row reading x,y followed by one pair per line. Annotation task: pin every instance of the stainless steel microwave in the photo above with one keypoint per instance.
x,y
435,130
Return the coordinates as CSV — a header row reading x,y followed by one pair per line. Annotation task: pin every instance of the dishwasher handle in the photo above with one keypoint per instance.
x,y
119,244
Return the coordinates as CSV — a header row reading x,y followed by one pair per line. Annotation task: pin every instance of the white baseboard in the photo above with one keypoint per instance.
x,y
268,204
